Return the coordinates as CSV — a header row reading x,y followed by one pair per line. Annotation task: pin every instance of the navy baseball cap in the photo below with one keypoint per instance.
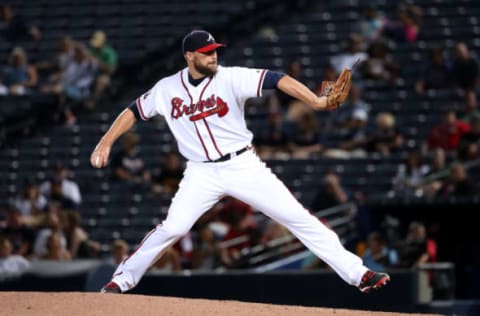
x,y
199,41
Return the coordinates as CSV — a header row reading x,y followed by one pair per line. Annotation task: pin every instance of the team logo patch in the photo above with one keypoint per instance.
x,y
208,107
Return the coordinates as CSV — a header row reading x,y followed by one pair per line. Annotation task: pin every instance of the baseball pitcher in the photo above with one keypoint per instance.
x,y
203,105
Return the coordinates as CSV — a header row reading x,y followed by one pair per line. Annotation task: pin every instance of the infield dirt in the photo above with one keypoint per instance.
x,y
81,304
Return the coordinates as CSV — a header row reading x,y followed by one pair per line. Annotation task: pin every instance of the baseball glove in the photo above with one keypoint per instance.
x,y
337,91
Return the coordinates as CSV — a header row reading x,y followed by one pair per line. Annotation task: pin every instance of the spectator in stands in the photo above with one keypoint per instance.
x,y
469,146
60,187
378,255
227,208
380,64
458,183
31,202
78,76
53,226
168,176
19,76
14,29
184,248
169,262
127,165
57,195
352,136
417,248
106,58
410,175
78,243
10,264
407,25
75,81
371,26
386,139
274,231
63,58
471,111
267,33
272,140
330,193
447,134
343,117
354,51
120,251
55,249
438,162
306,139
20,235
242,227
464,69
437,167
205,253
436,75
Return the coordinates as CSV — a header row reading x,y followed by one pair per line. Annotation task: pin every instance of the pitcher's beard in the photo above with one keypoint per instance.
x,y
205,70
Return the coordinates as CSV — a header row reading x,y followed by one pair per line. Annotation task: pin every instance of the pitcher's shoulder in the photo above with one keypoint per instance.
x,y
174,79
226,72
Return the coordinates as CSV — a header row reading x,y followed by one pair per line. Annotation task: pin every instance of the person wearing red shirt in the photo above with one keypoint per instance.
x,y
447,134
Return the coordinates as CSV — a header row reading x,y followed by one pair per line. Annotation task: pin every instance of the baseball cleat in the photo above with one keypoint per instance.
x,y
373,280
111,287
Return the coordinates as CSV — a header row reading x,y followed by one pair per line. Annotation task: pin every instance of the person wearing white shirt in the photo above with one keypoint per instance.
x,y
11,264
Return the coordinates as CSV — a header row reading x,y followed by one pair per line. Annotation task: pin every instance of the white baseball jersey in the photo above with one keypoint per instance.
x,y
207,120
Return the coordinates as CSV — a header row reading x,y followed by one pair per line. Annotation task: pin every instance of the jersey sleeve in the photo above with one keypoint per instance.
x,y
248,81
147,103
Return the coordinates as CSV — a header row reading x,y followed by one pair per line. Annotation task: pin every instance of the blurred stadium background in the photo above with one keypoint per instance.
x,y
395,172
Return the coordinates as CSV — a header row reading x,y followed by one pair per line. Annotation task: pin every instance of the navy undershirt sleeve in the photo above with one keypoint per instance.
x,y
271,79
134,108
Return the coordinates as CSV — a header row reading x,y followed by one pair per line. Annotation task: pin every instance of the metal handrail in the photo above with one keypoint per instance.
x,y
444,172
335,224
275,252
233,242
282,245
284,239
437,266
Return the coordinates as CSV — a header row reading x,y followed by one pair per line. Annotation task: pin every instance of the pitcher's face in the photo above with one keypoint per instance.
x,y
204,63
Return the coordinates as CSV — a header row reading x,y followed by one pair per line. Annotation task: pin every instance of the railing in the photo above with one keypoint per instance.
x,y
443,173
338,219
424,181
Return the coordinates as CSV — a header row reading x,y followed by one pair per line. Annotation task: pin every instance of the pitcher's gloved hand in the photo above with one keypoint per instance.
x,y
337,91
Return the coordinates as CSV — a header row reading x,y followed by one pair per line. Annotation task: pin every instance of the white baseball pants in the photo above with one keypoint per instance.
x,y
246,178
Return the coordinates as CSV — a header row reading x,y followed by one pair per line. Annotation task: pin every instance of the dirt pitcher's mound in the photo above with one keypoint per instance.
x,y
81,304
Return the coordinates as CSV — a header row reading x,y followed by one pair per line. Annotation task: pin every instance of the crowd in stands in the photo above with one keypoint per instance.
x,y
78,75
43,223
44,220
